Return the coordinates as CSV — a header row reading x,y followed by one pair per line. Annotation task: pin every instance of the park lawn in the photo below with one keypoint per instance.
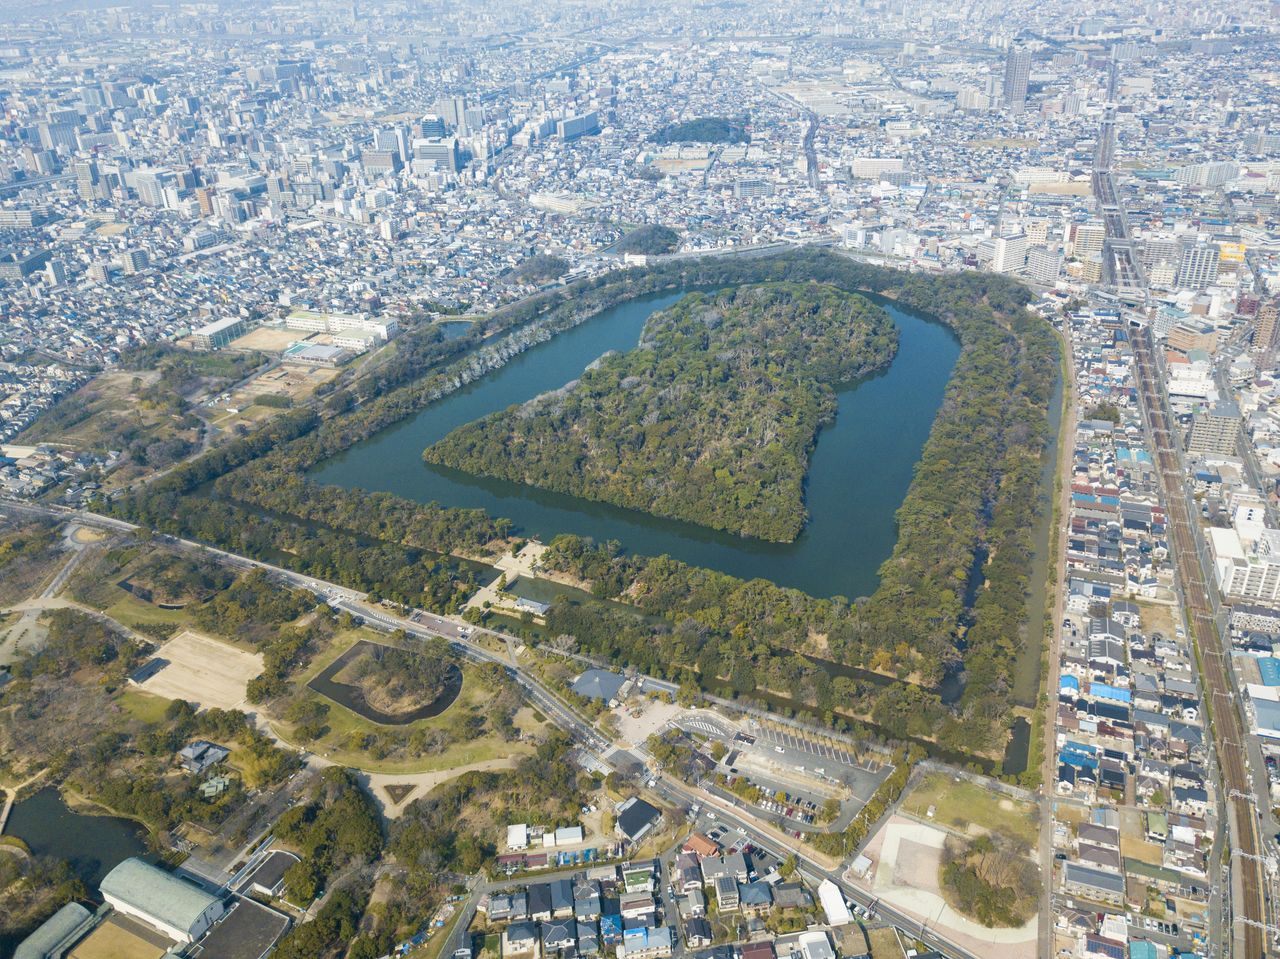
x,y
131,611
960,805
143,706
338,644
344,723
93,417
480,750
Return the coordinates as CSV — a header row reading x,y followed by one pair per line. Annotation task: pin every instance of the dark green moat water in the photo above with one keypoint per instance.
x,y
858,475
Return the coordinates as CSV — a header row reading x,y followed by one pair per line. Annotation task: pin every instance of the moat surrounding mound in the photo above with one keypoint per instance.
x,y
392,686
710,420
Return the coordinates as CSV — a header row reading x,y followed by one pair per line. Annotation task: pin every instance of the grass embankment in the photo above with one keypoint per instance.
x,y
963,806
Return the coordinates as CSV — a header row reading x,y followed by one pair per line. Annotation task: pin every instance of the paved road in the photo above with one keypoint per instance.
x,y
603,752
1049,768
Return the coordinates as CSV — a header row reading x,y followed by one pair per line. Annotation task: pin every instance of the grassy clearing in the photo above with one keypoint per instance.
x,y
340,643
485,749
134,612
144,707
884,944
347,729
967,807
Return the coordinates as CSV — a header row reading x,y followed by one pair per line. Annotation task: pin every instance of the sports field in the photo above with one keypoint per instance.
x,y
203,671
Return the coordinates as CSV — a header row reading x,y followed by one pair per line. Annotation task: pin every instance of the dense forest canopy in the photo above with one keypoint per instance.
x,y
704,130
974,493
710,420
651,239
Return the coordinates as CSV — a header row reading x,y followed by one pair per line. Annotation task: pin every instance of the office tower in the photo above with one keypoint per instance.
x,y
451,110
432,126
150,185
473,119
429,155
1017,74
380,162
1199,266
386,140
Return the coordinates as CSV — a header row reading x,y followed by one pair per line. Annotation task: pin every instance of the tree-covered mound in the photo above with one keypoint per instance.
x,y
991,879
651,239
710,420
704,130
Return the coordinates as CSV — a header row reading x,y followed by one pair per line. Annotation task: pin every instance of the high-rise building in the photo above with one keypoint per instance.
x,y
1087,239
57,136
1017,75
1216,430
451,110
150,185
1207,174
1265,326
1043,265
134,261
432,126
429,155
1198,267
89,183
1009,253
570,128
747,188
380,162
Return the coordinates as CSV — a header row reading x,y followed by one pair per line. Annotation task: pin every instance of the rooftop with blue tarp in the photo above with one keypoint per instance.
x,y
1269,668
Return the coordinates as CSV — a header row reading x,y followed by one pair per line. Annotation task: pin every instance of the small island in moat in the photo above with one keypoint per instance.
x,y
711,420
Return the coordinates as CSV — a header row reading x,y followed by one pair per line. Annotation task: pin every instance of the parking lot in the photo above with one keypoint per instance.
x,y
733,840
802,744
797,774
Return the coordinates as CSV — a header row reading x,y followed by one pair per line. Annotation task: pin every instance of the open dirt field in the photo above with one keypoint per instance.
x,y
268,339
113,941
203,671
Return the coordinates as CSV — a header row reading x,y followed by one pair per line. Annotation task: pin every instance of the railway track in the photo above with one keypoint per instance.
x,y
1248,910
